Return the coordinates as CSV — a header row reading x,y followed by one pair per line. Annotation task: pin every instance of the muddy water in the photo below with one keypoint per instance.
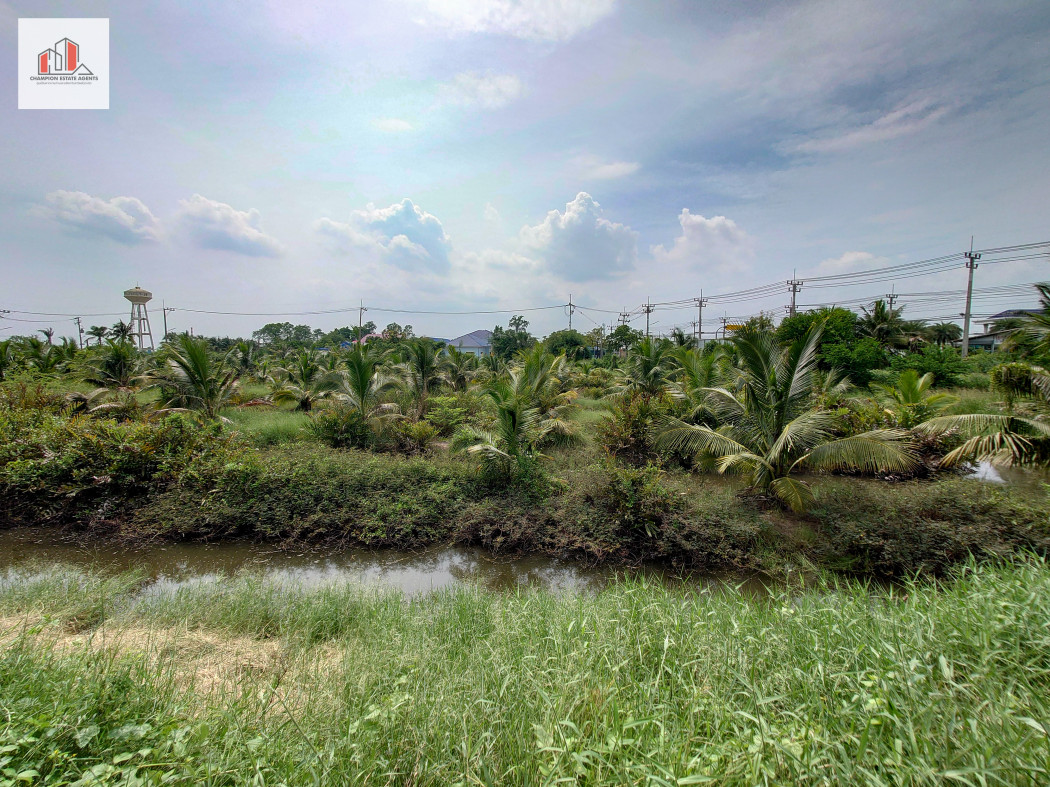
x,y
172,564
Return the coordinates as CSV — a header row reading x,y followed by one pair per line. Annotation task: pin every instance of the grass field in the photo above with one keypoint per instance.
x,y
242,682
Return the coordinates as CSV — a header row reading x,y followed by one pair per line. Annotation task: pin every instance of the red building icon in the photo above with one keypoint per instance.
x,y
63,59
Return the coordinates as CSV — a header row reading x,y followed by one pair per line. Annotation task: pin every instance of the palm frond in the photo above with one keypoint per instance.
x,y
880,450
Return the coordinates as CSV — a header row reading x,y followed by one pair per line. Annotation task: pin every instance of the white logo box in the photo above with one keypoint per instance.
x,y
63,63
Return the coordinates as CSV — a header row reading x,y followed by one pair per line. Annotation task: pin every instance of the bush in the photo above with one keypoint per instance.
x,y
922,527
628,435
445,414
341,427
636,498
945,363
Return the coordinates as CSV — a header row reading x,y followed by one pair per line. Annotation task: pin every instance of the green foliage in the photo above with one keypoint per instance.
x,y
944,363
636,497
193,379
1014,381
445,414
341,426
508,342
911,400
856,359
844,683
628,435
570,343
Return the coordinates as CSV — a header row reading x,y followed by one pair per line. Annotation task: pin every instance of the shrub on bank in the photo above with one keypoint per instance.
x,y
921,527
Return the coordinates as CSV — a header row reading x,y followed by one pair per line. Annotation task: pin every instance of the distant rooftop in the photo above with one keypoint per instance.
x,y
479,338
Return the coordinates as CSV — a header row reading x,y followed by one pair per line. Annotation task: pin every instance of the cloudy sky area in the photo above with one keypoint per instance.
x,y
462,155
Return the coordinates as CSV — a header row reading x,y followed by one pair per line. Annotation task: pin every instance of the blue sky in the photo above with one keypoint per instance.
x,y
459,155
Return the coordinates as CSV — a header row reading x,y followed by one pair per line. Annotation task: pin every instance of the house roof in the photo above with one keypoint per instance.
x,y
1006,315
480,338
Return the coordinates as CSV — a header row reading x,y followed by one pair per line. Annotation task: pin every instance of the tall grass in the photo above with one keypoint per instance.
x,y
639,684
267,427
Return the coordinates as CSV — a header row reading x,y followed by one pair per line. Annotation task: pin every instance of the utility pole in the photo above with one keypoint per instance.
x,y
725,322
701,302
361,323
971,266
570,311
892,297
164,311
794,285
648,311
80,330
624,317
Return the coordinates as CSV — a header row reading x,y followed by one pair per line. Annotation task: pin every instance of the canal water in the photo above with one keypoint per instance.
x,y
169,565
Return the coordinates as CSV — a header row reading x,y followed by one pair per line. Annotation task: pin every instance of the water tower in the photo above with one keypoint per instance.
x,y
140,330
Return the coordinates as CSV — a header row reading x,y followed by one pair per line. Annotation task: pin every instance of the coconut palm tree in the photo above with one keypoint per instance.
x,y
117,366
421,371
513,443
303,382
7,357
770,428
363,384
39,356
911,399
49,334
648,368
191,378
1035,326
1004,439
944,333
460,368
542,381
883,323
245,359
98,333
696,373
121,331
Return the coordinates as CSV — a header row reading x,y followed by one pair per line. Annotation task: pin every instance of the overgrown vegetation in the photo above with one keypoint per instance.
x,y
241,681
395,440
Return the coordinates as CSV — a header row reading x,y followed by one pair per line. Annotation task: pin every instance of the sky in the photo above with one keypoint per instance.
x,y
272,157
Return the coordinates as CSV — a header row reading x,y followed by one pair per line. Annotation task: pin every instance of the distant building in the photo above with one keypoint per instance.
x,y
477,343
991,338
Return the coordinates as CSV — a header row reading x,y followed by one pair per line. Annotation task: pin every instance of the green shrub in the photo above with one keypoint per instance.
x,y
445,414
341,427
635,496
629,433
945,363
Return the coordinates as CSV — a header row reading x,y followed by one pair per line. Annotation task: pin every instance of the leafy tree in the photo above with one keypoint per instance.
x,y
944,363
508,342
361,331
770,429
856,359
571,344
623,338
397,333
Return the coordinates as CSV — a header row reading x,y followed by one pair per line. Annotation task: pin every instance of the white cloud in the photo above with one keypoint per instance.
x,y
402,234
707,244
580,244
391,125
594,168
123,219
215,225
544,20
907,119
488,90
491,213
849,261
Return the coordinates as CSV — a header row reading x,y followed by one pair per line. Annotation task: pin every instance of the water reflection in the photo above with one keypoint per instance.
x,y
1024,478
171,565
